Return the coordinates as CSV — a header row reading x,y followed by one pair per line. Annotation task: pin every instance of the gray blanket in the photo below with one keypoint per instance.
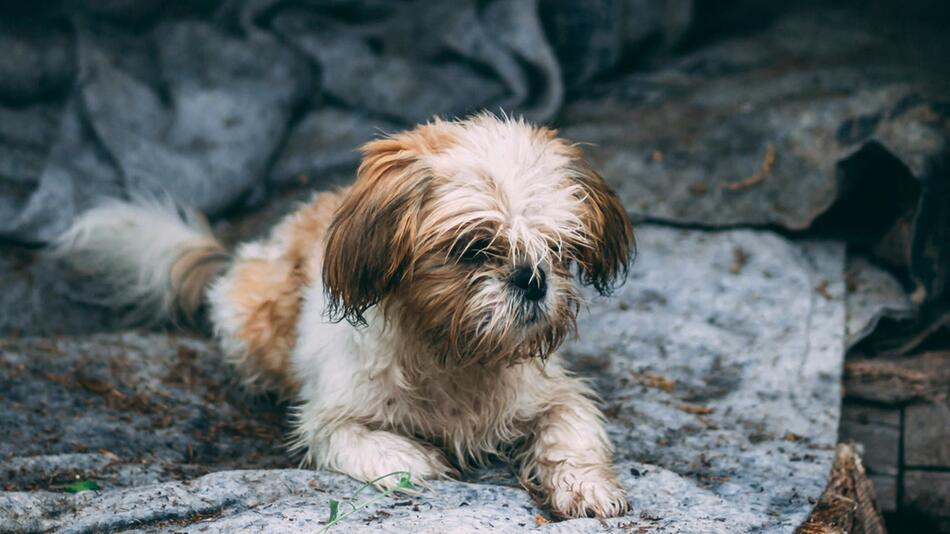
x,y
217,104
815,121
721,387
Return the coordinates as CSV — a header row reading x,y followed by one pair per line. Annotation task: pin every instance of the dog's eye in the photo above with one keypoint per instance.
x,y
475,251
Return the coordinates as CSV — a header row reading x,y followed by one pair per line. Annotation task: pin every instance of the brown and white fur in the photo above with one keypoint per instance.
x,y
451,259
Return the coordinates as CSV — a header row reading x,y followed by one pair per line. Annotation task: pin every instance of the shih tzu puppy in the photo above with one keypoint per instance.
x,y
415,316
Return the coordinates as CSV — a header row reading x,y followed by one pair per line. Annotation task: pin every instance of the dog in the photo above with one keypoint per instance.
x,y
415,315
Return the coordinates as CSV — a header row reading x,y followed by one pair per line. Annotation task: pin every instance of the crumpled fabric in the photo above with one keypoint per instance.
x,y
217,103
815,122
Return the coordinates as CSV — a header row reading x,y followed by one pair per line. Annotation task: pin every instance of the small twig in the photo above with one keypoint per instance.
x,y
764,170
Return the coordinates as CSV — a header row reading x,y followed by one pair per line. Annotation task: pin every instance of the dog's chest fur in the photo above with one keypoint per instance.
x,y
470,411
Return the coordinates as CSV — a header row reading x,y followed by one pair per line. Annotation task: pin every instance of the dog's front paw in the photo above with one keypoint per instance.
x,y
379,456
394,454
591,492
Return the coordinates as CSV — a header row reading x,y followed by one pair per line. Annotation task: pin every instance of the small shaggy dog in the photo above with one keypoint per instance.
x,y
450,259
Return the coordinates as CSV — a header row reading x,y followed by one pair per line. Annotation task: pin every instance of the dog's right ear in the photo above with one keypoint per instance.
x,y
369,245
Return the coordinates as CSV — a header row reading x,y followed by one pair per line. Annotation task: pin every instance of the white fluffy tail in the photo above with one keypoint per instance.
x,y
157,258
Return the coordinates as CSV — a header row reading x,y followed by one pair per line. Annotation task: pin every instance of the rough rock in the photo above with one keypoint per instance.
x,y
720,381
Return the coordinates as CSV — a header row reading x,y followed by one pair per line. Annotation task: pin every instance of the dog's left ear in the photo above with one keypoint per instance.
x,y
369,243
604,263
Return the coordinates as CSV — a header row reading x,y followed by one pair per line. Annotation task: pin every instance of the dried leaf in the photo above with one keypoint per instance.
x,y
696,409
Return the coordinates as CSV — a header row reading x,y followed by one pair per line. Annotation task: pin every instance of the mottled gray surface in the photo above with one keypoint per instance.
x,y
132,408
719,363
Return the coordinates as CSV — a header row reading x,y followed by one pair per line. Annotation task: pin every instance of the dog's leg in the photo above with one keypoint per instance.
x,y
365,454
570,458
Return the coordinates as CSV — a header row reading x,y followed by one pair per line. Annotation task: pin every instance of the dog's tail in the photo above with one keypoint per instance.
x,y
156,257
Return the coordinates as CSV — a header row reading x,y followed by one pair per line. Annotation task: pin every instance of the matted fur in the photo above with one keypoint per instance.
x,y
390,311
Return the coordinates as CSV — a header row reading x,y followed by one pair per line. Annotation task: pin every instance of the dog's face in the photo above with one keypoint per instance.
x,y
467,234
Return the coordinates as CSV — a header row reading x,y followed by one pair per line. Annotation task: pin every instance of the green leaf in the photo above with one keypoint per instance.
x,y
405,483
82,485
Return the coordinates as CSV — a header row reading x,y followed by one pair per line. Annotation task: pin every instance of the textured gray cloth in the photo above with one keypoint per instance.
x,y
216,105
873,294
225,105
720,380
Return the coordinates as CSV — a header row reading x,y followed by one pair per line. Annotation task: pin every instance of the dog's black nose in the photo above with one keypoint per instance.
x,y
530,281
